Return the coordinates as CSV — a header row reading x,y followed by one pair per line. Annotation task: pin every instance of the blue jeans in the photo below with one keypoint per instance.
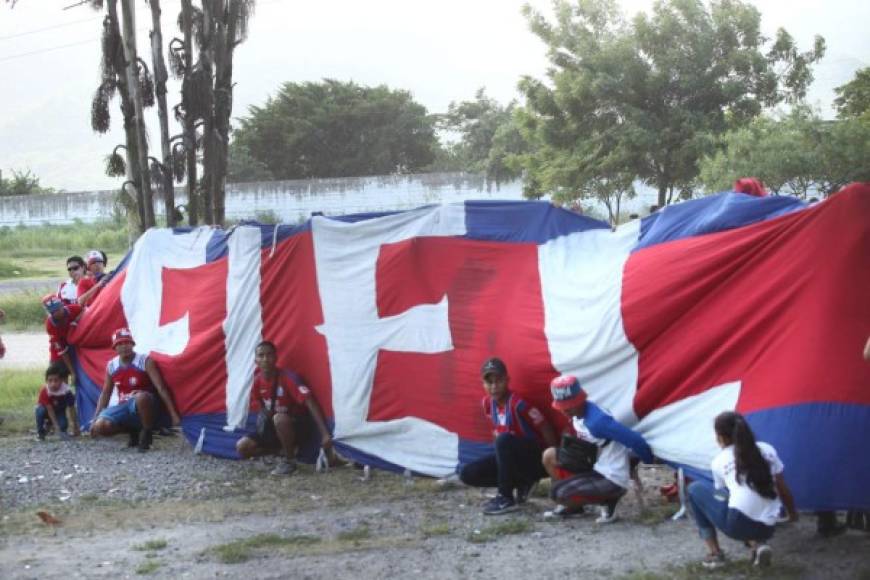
x,y
42,419
711,511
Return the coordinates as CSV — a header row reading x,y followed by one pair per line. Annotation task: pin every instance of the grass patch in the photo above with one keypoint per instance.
x,y
436,529
506,528
354,535
151,545
742,568
64,240
23,310
148,567
19,270
657,514
18,390
243,550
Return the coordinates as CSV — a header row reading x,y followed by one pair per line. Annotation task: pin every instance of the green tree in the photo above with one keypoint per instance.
x,y
658,89
338,129
21,183
242,167
796,154
488,135
853,98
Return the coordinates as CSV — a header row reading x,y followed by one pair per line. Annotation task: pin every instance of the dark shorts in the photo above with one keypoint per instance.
x,y
303,428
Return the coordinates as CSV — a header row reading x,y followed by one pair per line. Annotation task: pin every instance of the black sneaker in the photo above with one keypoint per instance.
x,y
499,505
145,440
133,441
524,491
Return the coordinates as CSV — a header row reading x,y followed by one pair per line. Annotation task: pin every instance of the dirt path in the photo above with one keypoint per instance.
x,y
25,350
240,521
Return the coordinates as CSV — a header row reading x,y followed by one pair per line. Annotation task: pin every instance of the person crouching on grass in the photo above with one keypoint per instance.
x,y
749,473
599,470
54,401
287,410
138,380
521,433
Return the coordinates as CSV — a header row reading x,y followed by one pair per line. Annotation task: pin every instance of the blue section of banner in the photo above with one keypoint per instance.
x,y
523,221
716,213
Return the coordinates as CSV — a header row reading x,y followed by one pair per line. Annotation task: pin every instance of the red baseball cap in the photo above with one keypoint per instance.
x,y
121,336
567,392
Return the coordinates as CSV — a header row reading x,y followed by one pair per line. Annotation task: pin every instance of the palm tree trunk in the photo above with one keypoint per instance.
x,y
131,149
209,150
160,78
189,120
128,12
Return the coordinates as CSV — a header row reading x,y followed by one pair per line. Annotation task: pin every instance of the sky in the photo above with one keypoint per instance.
x,y
439,51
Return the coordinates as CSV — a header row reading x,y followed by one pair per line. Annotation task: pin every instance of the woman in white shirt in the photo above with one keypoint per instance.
x,y
749,492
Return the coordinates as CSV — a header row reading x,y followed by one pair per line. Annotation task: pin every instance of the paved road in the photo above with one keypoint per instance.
x,y
25,350
41,284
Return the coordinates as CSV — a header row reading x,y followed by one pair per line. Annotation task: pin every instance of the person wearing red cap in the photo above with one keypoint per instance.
x,y
60,320
137,380
599,471
521,434
95,280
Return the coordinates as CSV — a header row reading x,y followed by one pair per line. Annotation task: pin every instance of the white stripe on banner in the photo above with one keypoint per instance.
x,y
581,284
142,294
243,326
345,258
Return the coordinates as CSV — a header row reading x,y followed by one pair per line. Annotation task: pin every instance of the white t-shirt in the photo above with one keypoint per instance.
x,y
742,497
612,460
68,291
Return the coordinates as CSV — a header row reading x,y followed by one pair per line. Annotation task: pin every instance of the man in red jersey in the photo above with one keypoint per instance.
x,y
285,402
521,434
139,383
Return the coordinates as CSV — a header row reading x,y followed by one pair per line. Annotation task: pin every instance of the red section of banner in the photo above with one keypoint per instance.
x,y
291,311
198,376
692,306
93,335
495,309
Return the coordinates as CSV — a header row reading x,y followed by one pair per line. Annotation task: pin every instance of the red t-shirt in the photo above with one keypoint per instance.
x,y
58,331
516,416
129,378
59,399
87,283
290,393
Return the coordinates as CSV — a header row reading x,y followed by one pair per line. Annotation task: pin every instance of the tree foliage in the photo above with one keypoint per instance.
x,y
796,154
645,98
337,129
21,183
489,138
853,98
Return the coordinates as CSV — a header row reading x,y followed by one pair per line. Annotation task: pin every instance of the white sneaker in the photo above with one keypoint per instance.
x,y
763,556
284,467
562,512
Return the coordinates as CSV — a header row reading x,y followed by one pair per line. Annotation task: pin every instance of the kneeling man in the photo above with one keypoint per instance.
x,y
287,411
139,383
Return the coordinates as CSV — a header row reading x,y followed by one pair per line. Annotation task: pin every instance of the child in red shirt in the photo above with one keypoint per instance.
x,y
54,401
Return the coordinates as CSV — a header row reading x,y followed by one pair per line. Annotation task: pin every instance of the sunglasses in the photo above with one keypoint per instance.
x,y
73,268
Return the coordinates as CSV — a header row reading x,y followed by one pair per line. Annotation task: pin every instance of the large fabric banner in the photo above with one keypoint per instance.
x,y
726,302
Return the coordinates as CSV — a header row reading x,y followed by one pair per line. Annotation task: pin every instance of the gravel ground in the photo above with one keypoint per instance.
x,y
113,502
53,471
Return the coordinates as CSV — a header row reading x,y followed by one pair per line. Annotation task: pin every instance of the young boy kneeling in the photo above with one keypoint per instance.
x,y
521,433
55,400
287,409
